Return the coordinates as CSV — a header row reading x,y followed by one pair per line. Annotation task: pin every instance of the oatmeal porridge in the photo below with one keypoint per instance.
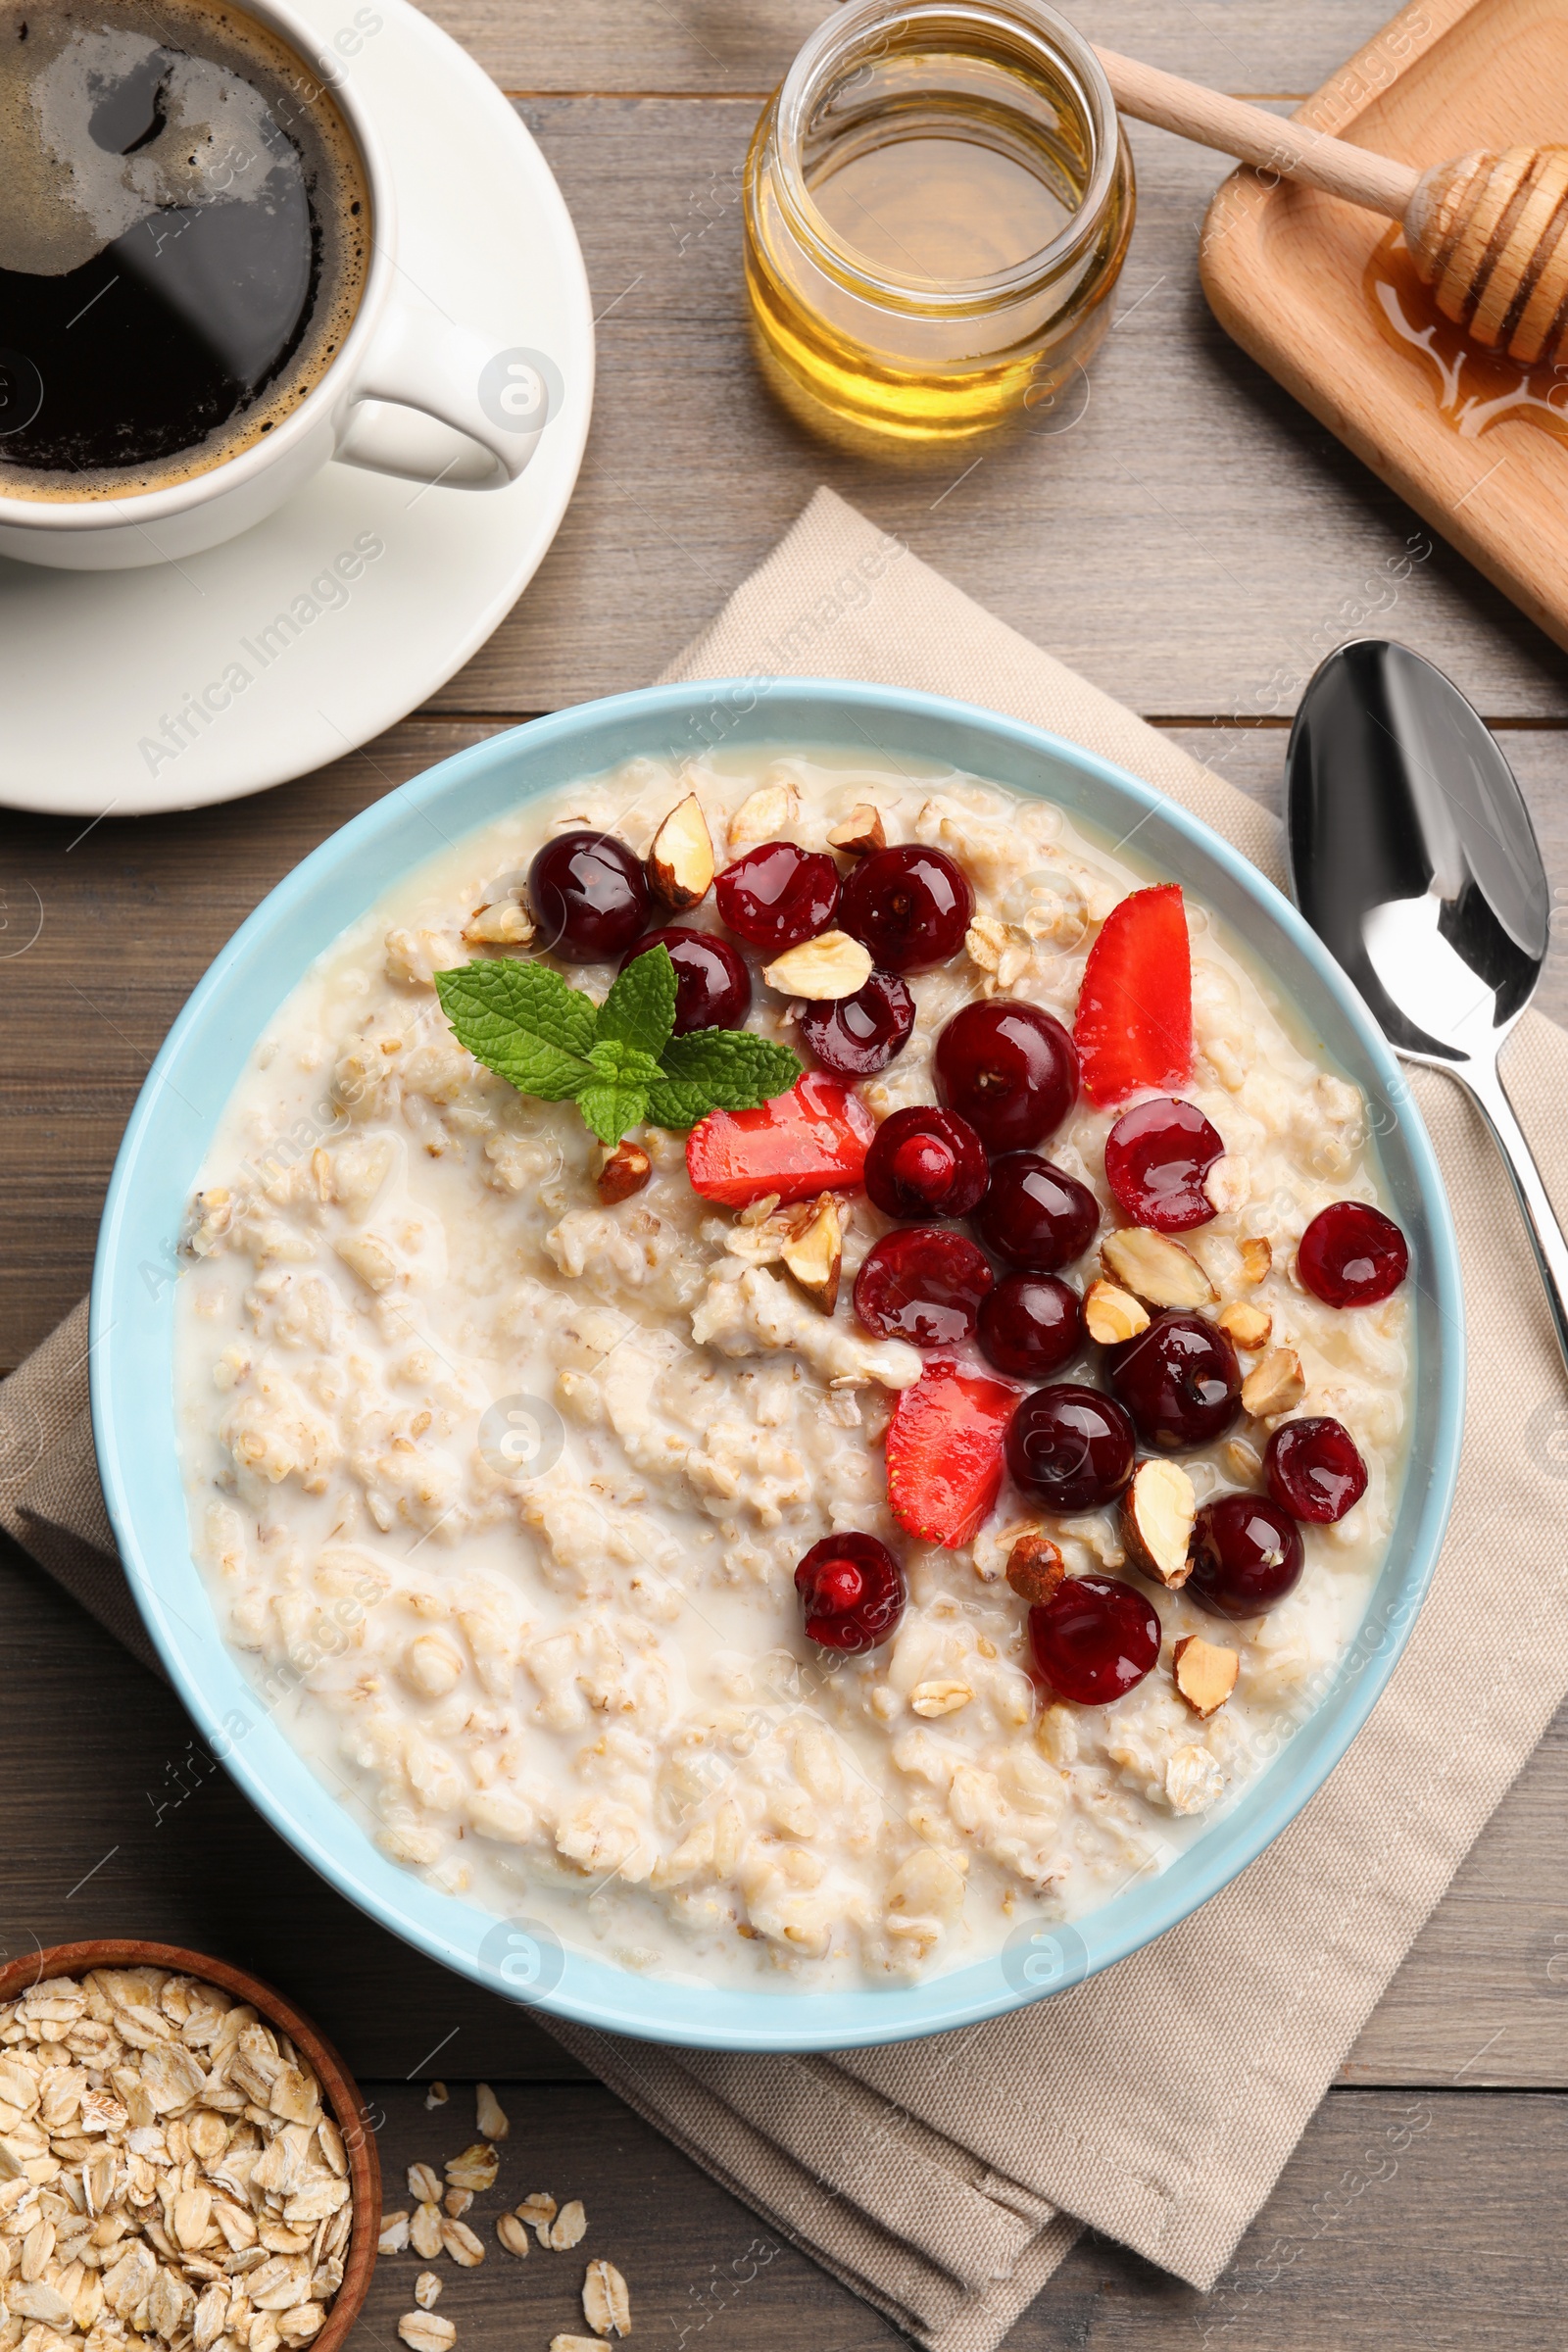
x,y
787,1366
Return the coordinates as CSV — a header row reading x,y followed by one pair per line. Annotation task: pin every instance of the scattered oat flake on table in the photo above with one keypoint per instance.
x,y
477,2168
462,2244
514,2235
424,2230
606,2301
570,2227
492,2118
394,2239
457,2202
426,2287
427,2331
575,2343
540,2209
437,2096
425,2184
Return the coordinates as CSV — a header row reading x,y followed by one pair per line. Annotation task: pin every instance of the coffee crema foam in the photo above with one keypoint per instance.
x,y
184,239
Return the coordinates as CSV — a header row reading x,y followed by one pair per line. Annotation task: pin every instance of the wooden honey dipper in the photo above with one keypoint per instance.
x,y
1488,232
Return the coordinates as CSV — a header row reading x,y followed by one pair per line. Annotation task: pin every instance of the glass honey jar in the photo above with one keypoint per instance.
x,y
938,200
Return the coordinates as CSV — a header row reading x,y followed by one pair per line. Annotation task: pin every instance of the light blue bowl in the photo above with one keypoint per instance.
x,y
132,1341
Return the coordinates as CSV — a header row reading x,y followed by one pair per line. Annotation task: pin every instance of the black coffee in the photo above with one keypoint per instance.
x,y
184,233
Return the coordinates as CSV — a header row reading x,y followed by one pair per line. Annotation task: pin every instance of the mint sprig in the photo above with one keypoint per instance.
x,y
618,1062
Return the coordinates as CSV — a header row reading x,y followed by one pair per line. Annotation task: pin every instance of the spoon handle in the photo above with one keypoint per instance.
x,y
1540,1218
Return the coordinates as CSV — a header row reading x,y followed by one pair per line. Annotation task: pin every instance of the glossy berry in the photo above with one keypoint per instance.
x,y
925,1164
1071,1449
1246,1554
911,906
1179,1379
589,896
858,1036
1134,1023
1156,1157
925,1284
1314,1470
1035,1215
1011,1069
1351,1255
713,987
852,1591
1031,1325
775,895
1095,1638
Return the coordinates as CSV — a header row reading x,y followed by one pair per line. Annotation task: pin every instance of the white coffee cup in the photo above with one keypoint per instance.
x,y
407,383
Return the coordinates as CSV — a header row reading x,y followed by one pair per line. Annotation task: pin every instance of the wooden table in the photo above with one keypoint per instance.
x,y
1194,542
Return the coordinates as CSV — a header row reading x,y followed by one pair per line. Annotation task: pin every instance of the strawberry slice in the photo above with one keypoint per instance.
x,y
945,1453
1134,1026
811,1140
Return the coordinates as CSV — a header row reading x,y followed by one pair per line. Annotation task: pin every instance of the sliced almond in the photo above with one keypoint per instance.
x,y
862,832
814,1255
1274,1386
1248,1326
504,923
606,2300
939,1698
1157,1512
1112,1315
1155,1269
1203,1672
680,856
1229,1183
1258,1255
626,1171
822,970
1035,1568
766,815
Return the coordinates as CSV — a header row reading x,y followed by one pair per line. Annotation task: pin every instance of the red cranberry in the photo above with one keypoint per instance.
x,y
911,906
1031,1324
852,1590
1071,1449
589,896
713,987
1246,1554
859,1035
1010,1068
1036,1214
923,1285
1179,1379
1156,1157
775,895
1351,1255
1095,1638
1314,1470
925,1164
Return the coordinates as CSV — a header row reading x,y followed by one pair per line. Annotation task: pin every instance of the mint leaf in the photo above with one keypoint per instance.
x,y
522,1021
616,1095
639,1008
718,1069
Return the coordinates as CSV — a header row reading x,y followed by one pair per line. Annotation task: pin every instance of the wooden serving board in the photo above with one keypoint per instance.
x,y
1284,267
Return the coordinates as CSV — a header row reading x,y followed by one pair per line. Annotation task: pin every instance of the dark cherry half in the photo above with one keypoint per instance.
x,y
1351,1255
923,1163
1313,1469
713,987
1179,1379
777,895
925,1284
1031,1325
852,1591
1095,1638
1035,1215
1246,1554
1072,1449
589,896
1156,1157
1011,1069
911,906
859,1035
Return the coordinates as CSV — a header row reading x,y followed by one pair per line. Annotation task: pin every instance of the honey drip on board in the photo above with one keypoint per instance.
x,y
1475,388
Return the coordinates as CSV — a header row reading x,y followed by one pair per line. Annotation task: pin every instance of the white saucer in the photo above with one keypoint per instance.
x,y
94,666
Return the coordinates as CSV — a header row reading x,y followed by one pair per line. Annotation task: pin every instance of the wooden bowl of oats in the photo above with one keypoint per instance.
x,y
182,2155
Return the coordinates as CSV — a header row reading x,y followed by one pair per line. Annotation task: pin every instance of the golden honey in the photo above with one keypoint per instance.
x,y
1474,388
937,206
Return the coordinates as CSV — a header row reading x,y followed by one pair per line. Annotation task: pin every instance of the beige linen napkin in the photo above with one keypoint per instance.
x,y
944,2180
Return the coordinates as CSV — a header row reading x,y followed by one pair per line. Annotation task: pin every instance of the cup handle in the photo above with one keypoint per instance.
x,y
420,361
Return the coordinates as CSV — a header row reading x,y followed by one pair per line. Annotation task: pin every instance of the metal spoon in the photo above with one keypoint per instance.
x,y
1413,858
